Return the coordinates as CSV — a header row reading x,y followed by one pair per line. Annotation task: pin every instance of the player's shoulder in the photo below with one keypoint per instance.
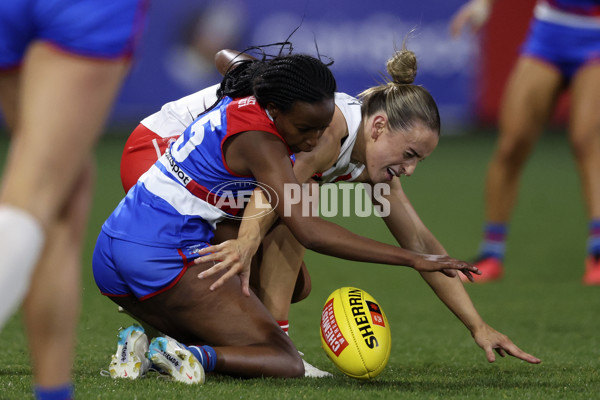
x,y
345,100
248,111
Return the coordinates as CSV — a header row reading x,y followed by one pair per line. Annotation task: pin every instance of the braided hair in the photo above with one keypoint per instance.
x,y
282,80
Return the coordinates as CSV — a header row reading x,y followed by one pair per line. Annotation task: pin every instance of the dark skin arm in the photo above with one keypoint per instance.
x,y
234,256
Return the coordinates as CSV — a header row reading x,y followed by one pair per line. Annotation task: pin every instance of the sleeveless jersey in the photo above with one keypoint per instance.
x,y
182,197
344,169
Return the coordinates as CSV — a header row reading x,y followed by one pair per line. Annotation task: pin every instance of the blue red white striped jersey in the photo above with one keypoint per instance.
x,y
182,197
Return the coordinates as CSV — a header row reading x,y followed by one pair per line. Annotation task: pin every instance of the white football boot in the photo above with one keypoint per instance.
x,y
130,359
173,358
310,371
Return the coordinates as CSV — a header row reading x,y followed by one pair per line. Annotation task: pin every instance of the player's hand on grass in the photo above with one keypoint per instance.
x,y
233,256
445,264
490,340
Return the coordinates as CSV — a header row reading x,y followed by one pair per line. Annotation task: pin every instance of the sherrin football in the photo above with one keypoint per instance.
x,y
355,333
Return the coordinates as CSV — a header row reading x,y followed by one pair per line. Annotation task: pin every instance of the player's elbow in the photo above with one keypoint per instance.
x,y
306,237
307,240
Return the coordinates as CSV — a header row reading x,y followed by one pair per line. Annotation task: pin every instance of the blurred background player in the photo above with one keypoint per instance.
x,y
562,51
62,63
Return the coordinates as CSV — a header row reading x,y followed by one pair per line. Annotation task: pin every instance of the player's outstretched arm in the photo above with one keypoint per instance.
x,y
411,233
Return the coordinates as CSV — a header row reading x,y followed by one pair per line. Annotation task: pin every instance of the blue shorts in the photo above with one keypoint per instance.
x,y
123,268
564,47
93,28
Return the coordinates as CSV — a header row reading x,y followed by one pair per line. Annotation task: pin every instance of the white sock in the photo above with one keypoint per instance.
x,y
21,243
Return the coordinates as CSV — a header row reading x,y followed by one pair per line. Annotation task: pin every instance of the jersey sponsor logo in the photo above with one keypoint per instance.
x,y
176,169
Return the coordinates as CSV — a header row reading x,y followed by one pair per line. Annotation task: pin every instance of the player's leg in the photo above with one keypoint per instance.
x,y
9,89
584,134
18,229
247,340
529,98
52,304
283,279
281,262
56,112
55,99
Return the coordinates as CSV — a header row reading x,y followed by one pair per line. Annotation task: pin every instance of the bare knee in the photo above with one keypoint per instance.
x,y
513,151
585,143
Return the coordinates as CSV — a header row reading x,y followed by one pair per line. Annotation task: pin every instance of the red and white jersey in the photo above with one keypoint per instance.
x,y
150,139
174,117
148,142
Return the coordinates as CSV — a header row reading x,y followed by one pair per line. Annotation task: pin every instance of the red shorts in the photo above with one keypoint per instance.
x,y
142,149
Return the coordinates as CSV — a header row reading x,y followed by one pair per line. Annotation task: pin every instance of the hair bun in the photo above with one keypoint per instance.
x,y
402,67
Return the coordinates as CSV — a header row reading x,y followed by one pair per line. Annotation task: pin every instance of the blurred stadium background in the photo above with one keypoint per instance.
x,y
465,75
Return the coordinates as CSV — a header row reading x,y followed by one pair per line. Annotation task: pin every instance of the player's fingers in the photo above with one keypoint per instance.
x,y
468,275
500,352
465,266
489,353
209,249
449,272
514,351
219,282
213,270
208,257
245,284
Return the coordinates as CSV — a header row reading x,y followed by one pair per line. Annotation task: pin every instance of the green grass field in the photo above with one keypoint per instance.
x,y
540,303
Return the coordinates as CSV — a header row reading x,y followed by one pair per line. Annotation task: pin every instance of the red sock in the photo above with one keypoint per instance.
x,y
284,325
